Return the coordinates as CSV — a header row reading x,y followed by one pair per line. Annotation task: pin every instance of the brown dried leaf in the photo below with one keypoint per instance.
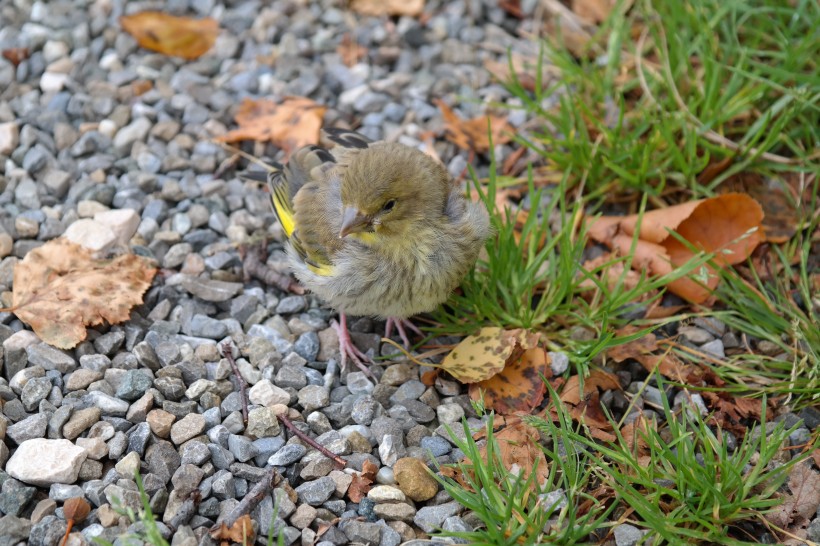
x,y
592,12
59,289
597,379
171,35
16,55
377,8
361,483
350,51
471,134
481,356
291,124
801,504
518,387
518,446
728,225
240,532
76,509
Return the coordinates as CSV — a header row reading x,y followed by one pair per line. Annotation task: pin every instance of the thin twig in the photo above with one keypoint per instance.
x,y
709,134
247,156
341,463
252,498
227,352
254,266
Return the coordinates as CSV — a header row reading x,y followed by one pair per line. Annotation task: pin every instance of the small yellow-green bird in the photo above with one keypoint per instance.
x,y
375,228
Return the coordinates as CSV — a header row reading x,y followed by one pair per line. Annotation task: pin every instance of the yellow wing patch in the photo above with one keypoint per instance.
x,y
282,206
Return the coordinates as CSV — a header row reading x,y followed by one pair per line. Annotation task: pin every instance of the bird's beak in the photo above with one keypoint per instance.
x,y
353,221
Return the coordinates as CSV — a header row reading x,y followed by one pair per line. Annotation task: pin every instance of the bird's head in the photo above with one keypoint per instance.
x,y
390,190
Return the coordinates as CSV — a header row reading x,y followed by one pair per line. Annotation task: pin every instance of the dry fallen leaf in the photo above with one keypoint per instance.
x,y
483,355
241,532
643,350
519,387
376,8
593,12
350,50
471,134
597,379
518,450
171,35
59,289
801,504
291,124
728,225
360,486
16,55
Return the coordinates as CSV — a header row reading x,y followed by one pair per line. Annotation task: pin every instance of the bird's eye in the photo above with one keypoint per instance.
x,y
389,205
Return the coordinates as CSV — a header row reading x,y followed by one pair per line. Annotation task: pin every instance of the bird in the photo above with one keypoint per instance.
x,y
376,229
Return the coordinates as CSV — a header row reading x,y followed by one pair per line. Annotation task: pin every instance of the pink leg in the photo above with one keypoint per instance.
x,y
401,324
346,347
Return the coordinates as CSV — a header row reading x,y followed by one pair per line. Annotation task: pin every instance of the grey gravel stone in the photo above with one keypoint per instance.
x,y
627,535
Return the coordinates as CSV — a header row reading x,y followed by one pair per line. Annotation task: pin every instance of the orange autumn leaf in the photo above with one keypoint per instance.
x,y
171,35
481,356
471,134
518,449
290,124
376,8
519,387
241,532
59,289
728,226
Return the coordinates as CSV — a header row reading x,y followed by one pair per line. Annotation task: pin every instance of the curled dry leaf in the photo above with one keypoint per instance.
x,y
241,532
59,289
483,355
361,483
519,387
728,225
471,134
290,124
171,35
376,8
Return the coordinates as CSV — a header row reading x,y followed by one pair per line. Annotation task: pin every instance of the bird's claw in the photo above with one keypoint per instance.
x,y
348,350
400,325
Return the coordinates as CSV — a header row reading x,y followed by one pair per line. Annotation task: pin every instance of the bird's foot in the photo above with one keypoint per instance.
x,y
400,325
348,350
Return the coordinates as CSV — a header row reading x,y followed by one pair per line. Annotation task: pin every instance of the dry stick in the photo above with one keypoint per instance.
x,y
227,352
254,266
341,463
709,134
252,498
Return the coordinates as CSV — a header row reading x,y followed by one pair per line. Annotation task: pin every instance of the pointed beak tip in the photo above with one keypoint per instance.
x,y
352,222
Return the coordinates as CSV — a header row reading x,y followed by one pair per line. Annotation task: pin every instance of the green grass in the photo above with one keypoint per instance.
x,y
706,489
516,510
151,533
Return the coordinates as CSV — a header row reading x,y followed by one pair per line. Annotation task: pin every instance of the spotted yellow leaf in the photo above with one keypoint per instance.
x,y
481,356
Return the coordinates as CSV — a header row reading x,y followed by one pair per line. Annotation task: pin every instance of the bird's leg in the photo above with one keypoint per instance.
x,y
346,347
401,324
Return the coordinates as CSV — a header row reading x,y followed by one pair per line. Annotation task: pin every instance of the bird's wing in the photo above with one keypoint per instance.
x,y
305,196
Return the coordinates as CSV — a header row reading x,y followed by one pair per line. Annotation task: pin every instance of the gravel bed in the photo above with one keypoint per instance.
x,y
156,395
